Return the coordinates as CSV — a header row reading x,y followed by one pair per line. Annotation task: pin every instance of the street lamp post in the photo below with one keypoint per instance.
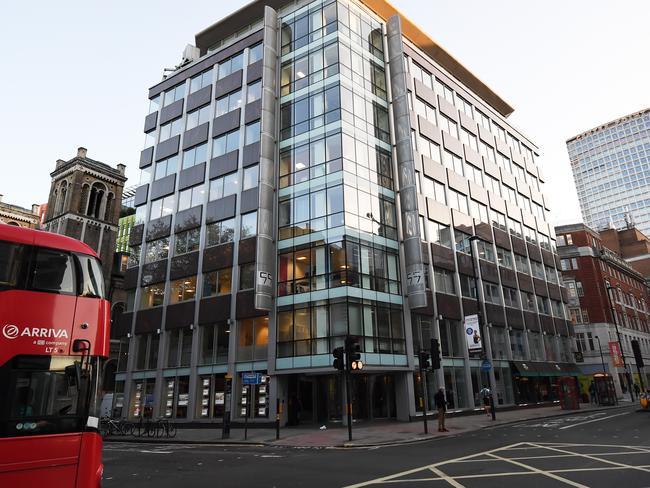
x,y
600,349
618,338
479,295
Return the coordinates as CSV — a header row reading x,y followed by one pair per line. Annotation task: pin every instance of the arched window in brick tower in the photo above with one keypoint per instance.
x,y
96,202
83,201
60,202
110,200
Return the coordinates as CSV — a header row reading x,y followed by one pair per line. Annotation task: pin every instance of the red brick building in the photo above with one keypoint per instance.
x,y
591,271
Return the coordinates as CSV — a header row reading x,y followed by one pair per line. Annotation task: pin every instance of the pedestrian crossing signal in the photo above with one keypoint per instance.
x,y
339,362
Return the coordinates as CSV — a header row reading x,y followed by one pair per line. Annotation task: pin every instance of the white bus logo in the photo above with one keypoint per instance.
x,y
10,331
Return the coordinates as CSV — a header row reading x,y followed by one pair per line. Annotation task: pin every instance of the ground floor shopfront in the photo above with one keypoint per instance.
x,y
319,397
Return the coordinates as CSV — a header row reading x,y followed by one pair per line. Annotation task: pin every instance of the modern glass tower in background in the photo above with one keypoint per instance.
x,y
316,170
611,168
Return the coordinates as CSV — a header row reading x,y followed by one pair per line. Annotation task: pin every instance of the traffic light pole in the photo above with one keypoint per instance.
x,y
348,403
424,396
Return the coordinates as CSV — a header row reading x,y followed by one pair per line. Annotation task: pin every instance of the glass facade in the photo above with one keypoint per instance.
x,y
337,232
611,169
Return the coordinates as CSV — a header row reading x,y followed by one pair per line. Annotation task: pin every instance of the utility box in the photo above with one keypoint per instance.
x,y
569,393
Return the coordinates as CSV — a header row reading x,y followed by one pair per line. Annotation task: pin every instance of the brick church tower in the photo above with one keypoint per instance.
x,y
84,203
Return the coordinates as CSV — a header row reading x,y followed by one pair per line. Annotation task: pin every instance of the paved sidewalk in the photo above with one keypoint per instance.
x,y
364,434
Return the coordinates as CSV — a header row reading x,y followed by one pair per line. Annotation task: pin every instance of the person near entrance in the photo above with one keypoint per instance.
x,y
485,394
441,405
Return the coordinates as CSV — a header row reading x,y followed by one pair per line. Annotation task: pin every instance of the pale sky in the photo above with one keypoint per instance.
x,y
76,73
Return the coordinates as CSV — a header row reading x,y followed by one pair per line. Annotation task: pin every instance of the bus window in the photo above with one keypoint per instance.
x,y
53,272
11,260
91,281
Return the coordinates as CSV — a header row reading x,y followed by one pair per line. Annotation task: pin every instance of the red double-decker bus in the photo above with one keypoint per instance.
x,y
54,336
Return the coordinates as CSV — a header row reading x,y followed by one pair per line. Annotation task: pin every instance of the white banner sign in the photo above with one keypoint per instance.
x,y
473,334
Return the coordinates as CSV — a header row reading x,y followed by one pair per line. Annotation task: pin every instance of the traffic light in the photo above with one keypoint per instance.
x,y
435,354
637,353
353,352
339,362
424,360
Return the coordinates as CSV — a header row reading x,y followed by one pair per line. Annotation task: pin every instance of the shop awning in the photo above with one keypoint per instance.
x,y
524,368
570,369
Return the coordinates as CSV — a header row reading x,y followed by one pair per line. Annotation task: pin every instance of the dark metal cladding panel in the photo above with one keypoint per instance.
x,y
184,265
547,324
554,292
548,259
495,314
191,176
131,278
168,148
199,98
464,263
150,121
489,272
518,245
154,273
140,197
484,231
253,111
442,257
159,228
508,277
470,306
254,71
180,315
540,287
251,154
147,321
502,239
561,327
188,219
123,325
514,318
224,164
171,111
531,320
247,249
250,200
163,187
533,252
214,309
135,238
246,305
221,209
228,84
448,306
146,157
218,257
197,135
226,122
525,282
462,222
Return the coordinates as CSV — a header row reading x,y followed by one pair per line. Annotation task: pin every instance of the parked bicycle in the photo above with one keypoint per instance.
x,y
109,426
145,428
165,428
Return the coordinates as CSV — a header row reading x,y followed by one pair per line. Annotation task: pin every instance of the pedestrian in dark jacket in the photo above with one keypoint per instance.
x,y
441,405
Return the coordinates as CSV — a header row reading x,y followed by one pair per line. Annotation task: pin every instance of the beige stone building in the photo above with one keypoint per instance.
x,y
15,215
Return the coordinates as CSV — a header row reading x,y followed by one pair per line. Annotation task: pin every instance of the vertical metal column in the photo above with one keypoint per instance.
x,y
415,276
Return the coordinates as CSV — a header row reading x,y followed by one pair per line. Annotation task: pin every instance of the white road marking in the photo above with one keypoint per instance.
x,y
448,479
606,461
593,420
539,471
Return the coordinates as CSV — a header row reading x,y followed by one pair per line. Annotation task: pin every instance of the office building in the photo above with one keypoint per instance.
x,y
315,170
611,169
605,294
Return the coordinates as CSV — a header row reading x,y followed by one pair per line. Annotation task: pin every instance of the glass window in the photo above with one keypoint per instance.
x,y
255,53
162,207
231,65
182,290
154,104
247,276
52,272
191,197
463,243
201,81
187,241
521,263
134,257
220,232
170,129
152,296
254,92
157,250
505,258
224,186
217,283
166,167
252,133
439,234
248,225
228,103
444,281
92,281
174,94
251,177
194,156
198,117
225,143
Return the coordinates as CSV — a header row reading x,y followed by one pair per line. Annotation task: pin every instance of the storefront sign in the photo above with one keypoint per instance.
x,y
615,352
473,334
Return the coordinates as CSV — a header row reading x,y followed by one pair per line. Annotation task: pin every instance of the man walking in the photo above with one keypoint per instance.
x,y
486,395
441,405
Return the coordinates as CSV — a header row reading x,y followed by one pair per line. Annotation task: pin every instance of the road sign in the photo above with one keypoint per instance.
x,y
251,378
486,365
